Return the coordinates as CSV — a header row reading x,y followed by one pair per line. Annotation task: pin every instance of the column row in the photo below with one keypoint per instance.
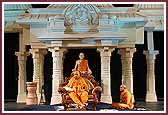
x,y
57,77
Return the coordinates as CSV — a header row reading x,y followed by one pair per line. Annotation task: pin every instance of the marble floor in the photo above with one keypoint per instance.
x,y
139,106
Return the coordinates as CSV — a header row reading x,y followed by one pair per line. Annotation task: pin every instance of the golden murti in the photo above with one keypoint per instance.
x,y
80,90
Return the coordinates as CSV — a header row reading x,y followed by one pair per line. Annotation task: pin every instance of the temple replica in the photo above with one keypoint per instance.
x,y
60,27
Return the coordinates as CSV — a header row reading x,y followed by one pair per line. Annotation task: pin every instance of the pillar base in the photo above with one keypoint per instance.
x,y
41,98
56,99
21,98
151,97
106,99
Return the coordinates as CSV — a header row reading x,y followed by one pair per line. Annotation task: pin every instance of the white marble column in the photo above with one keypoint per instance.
x,y
22,57
150,39
150,58
38,71
127,74
57,76
105,54
63,51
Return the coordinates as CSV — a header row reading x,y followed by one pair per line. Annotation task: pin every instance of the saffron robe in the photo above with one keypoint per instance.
x,y
126,101
80,90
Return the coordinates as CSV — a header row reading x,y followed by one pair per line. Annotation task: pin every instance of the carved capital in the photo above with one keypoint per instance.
x,y
127,52
105,51
38,53
57,51
22,55
151,54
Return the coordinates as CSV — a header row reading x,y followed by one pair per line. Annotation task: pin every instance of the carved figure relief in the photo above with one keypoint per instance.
x,y
81,16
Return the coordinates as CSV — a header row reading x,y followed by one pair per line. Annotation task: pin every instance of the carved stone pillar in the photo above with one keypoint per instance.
x,y
63,51
22,57
105,54
150,58
127,74
38,71
57,76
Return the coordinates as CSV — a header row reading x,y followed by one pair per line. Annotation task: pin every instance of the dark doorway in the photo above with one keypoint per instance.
x,y
29,66
91,55
159,64
139,74
48,71
140,70
29,69
11,45
116,75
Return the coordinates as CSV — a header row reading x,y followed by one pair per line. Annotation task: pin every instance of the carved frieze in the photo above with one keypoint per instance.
x,y
81,18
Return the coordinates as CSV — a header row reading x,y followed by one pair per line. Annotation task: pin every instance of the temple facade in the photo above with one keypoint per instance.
x,y
60,27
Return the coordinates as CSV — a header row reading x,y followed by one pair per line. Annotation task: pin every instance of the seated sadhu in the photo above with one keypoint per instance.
x,y
79,89
82,64
126,99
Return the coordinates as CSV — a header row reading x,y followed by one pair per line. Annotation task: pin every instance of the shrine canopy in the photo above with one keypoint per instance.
x,y
86,23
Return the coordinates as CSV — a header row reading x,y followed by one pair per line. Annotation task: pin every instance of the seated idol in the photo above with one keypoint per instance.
x,y
82,65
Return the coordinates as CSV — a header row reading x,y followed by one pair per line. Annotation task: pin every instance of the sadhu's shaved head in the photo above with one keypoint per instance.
x,y
81,55
122,87
77,73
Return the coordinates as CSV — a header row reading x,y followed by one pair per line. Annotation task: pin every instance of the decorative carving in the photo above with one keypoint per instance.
x,y
22,57
55,24
57,76
81,16
21,64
